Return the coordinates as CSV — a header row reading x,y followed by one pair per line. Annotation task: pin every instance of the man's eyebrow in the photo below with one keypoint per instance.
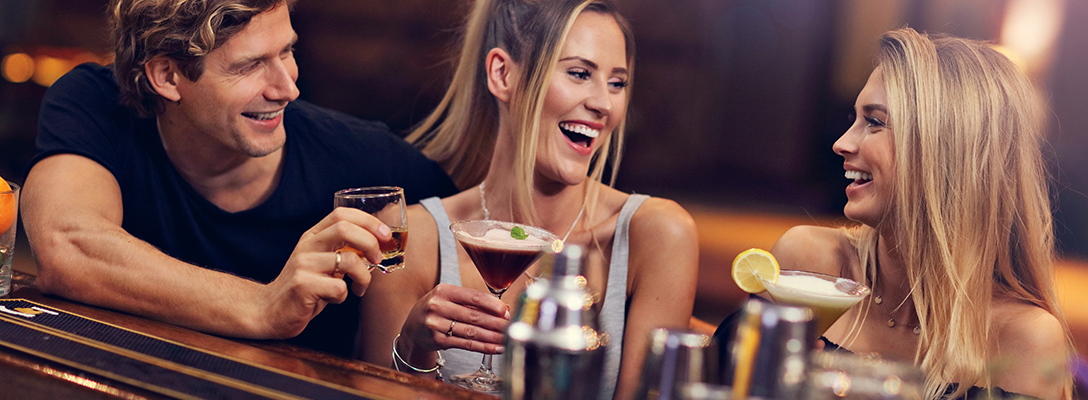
x,y
247,60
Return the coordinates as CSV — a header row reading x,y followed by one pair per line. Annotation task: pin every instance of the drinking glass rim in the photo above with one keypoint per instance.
x,y
863,290
14,187
379,191
527,227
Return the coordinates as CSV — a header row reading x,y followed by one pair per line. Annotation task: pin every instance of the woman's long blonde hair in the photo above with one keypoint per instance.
x,y
971,216
460,133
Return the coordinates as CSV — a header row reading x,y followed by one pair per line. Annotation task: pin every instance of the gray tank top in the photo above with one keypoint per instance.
x,y
613,309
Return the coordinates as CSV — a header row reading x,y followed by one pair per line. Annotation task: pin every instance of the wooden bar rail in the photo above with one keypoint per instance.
x,y
25,375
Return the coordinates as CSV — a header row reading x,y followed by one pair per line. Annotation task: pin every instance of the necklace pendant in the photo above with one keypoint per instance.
x,y
917,330
891,323
878,300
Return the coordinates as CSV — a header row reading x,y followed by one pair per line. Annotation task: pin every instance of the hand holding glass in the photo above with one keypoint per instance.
x,y
386,203
501,259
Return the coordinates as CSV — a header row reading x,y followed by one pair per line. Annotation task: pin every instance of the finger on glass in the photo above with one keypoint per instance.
x,y
386,203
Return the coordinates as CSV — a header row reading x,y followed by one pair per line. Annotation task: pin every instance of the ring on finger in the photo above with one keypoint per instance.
x,y
450,331
336,267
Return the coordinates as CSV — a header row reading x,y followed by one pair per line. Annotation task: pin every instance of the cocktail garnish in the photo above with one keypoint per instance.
x,y
518,233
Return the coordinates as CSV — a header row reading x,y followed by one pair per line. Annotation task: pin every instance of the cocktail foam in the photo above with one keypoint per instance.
x,y
810,284
501,239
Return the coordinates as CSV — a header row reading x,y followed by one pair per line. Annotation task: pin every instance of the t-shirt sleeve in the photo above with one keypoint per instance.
x,y
79,115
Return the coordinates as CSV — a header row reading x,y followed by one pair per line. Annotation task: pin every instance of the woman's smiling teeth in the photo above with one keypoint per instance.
x,y
859,176
582,129
261,116
578,133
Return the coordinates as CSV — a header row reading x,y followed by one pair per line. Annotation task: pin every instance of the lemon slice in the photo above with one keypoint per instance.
x,y
751,265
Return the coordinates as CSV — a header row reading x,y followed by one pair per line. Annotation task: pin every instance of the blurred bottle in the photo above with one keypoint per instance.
x,y
844,375
675,359
768,355
554,347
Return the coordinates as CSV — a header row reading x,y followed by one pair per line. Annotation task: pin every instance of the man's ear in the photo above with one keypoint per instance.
x,y
162,73
500,74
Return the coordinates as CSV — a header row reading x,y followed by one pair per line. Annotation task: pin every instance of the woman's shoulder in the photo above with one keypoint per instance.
x,y
1029,349
1020,326
662,218
814,248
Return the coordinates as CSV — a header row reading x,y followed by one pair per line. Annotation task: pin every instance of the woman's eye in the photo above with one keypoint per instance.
x,y
579,74
874,123
618,84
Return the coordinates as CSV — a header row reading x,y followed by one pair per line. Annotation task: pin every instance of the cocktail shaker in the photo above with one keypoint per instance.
x,y
769,352
554,348
676,358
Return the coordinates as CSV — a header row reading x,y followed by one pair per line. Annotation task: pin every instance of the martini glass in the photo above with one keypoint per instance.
x,y
828,296
501,257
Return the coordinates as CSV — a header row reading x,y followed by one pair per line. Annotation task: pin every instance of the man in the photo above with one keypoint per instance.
x,y
188,186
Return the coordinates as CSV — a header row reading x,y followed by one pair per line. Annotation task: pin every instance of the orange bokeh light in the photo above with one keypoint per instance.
x,y
17,68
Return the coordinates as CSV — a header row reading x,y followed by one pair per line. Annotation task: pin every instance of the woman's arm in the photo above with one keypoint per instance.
x,y
411,303
662,274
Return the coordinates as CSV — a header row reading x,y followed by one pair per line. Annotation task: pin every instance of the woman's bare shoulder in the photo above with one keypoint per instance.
x,y
663,217
1029,348
814,248
1022,327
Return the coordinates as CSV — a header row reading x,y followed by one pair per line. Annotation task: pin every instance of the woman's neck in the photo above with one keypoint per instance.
x,y
556,210
892,283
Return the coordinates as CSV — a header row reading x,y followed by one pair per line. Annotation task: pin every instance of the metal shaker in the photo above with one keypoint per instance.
x,y
769,352
553,343
676,358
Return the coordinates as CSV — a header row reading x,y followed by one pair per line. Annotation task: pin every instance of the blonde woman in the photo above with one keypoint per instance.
x,y
955,241
534,114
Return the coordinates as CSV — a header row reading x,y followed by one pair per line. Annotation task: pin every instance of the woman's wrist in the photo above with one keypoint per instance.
x,y
407,359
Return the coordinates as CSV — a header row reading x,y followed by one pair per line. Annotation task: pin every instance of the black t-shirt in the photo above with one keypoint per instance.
x,y
325,151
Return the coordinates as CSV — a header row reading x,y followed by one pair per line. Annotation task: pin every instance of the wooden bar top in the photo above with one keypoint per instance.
x,y
27,376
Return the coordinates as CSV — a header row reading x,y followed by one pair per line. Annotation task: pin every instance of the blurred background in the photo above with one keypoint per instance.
x,y
736,102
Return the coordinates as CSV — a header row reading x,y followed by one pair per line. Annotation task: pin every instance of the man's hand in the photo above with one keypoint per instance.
x,y
313,276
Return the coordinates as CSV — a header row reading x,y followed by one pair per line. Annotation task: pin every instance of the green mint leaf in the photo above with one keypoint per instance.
x,y
518,233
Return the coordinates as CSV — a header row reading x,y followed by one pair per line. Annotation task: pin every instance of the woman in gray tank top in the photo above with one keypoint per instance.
x,y
533,115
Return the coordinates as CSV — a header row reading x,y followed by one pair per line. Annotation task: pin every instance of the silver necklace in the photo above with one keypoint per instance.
x,y
487,215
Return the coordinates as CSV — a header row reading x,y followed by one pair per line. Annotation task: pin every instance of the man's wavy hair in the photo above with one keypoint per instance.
x,y
183,30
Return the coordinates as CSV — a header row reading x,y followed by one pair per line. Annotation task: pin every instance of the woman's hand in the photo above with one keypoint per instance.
x,y
453,317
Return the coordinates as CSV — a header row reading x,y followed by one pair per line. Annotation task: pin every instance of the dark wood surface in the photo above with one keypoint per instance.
x,y
29,377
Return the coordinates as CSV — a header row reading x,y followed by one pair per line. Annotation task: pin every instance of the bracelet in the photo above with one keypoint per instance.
x,y
397,358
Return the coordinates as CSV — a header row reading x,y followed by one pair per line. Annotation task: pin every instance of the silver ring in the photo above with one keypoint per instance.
x,y
450,331
336,267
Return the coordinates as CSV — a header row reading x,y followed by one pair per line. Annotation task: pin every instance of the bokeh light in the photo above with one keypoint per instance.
x,y
48,69
17,68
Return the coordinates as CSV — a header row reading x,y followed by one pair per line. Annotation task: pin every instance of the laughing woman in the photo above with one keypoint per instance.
x,y
534,114
955,237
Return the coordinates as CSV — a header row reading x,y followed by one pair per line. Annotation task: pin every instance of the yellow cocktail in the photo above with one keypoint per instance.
x,y
828,296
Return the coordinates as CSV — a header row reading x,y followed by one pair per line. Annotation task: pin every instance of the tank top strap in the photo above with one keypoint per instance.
x,y
450,271
614,310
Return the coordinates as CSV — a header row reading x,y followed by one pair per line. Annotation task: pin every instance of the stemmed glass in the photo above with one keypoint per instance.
x,y
828,296
502,251
387,204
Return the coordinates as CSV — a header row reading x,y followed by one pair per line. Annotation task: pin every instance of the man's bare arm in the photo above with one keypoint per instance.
x,y
72,212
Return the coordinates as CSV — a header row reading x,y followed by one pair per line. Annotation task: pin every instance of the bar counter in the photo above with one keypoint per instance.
x,y
27,372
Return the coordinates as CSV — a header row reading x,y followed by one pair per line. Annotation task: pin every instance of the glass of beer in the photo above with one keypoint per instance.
x,y
387,204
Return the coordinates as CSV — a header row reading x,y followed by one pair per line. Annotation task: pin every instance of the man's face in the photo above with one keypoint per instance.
x,y
237,103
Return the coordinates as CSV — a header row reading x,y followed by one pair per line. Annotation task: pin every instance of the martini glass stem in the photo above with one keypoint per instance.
x,y
485,364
